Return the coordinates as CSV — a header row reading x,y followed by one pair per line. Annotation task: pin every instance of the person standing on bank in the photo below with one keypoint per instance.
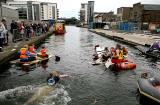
x,y
4,30
14,28
1,37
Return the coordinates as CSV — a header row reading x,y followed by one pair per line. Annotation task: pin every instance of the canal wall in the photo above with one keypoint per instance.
x,y
131,42
12,50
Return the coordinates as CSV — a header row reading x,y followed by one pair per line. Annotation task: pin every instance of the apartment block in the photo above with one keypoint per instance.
x,y
33,10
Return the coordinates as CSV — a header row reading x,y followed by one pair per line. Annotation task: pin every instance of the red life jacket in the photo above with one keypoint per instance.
x,y
23,53
43,52
31,49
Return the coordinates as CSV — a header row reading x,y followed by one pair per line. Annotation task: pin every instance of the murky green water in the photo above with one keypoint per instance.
x,y
87,82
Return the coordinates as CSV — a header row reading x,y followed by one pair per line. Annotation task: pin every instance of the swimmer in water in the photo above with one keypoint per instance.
x,y
51,81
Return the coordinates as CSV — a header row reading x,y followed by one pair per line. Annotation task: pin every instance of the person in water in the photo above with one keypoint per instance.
x,y
43,52
52,79
25,55
155,45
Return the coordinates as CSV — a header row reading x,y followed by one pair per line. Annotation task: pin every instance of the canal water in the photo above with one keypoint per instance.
x,y
86,84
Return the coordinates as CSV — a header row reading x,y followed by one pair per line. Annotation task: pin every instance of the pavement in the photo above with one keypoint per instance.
x,y
141,39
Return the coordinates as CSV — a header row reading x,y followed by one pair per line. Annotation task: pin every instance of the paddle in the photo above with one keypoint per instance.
x,y
108,63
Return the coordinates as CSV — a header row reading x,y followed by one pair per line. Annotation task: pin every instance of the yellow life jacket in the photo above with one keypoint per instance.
x,y
120,54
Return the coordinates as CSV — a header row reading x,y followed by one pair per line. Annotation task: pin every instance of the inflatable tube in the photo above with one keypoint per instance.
x,y
150,87
118,60
125,65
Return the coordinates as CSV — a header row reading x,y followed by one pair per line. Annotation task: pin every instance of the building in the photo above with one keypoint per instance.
x,y
22,8
49,11
90,11
69,21
87,13
57,13
145,14
83,13
104,17
9,13
123,14
33,10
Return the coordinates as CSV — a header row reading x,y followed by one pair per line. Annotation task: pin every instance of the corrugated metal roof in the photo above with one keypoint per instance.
x,y
151,7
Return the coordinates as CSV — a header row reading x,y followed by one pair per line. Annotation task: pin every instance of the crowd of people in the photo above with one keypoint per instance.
x,y
21,30
25,30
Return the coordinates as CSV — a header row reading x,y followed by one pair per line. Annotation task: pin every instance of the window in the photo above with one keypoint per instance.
x,y
83,6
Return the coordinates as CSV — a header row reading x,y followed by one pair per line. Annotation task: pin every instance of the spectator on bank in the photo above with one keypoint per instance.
x,y
21,29
14,29
12,26
1,37
4,30
31,32
27,30
6,35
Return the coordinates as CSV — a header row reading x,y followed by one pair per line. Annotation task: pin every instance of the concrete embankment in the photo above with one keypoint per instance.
x,y
10,51
133,41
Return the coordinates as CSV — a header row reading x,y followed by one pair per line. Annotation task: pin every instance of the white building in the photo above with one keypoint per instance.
x,y
33,10
83,13
49,11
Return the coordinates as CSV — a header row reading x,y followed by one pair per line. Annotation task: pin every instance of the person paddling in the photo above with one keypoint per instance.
x,y
25,55
52,79
32,49
105,54
43,52
118,55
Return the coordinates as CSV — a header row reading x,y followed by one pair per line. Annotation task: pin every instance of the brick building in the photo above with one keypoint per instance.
x,y
145,14
123,14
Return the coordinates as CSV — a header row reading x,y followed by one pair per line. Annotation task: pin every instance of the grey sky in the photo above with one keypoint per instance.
x,y
70,8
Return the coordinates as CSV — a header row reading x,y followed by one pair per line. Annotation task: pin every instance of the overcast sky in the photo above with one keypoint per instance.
x,y
70,8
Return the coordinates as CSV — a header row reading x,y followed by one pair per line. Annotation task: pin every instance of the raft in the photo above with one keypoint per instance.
x,y
17,61
118,60
143,50
98,52
150,87
125,65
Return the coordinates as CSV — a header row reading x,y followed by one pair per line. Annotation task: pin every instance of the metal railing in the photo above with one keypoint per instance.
x,y
26,34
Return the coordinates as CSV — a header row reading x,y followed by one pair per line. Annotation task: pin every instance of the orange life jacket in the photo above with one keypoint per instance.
x,y
31,49
43,52
23,53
